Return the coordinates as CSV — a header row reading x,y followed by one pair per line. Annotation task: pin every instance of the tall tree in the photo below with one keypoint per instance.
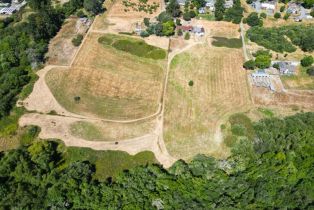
x,y
219,9
173,8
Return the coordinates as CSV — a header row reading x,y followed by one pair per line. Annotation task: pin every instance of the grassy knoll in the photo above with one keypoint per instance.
x,y
225,42
111,83
109,131
133,46
108,163
219,89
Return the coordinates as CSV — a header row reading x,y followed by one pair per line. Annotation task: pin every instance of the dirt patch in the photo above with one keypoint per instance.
x,y
118,10
61,50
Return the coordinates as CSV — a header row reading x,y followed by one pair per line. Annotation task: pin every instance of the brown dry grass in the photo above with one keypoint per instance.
x,y
118,10
292,98
112,84
194,113
61,50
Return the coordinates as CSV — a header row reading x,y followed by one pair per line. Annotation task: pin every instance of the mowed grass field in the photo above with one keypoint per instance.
x,y
194,113
110,82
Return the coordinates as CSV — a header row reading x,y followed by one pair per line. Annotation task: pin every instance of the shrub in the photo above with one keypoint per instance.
x,y
276,66
277,15
307,61
187,36
144,34
77,40
186,16
191,83
80,14
262,61
286,17
180,33
282,8
312,13
178,22
254,20
250,64
310,71
146,22
263,15
192,14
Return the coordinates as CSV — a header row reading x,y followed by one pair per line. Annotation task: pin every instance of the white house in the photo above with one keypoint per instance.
x,y
270,5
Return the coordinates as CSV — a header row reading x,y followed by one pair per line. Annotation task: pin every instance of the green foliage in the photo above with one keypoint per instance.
x,y
272,170
277,15
254,20
310,71
186,16
241,125
235,13
307,61
308,3
286,16
263,15
77,40
191,83
168,28
187,36
173,8
146,22
274,38
263,61
266,112
282,8
108,163
219,9
133,46
225,42
250,64
93,6
312,13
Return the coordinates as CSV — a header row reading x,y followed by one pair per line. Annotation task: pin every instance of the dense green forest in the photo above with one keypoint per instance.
x,y
270,168
276,38
23,44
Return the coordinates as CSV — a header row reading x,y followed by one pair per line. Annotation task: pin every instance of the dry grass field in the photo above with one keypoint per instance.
x,y
61,50
110,131
194,113
110,83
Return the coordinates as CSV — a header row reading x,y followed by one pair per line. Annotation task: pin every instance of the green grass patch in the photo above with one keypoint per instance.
x,y
266,112
133,46
241,125
108,163
225,42
86,131
209,17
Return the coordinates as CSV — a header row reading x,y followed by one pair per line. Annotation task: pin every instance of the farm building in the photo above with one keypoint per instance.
x,y
228,4
202,10
198,30
269,5
210,4
293,8
262,79
185,28
287,67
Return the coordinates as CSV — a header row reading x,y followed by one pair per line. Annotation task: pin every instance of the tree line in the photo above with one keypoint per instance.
x,y
270,167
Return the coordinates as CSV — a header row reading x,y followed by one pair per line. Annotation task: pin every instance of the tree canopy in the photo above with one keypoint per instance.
x,y
270,167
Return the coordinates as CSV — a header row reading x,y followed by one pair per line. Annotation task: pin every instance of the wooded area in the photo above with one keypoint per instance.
x,y
272,167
